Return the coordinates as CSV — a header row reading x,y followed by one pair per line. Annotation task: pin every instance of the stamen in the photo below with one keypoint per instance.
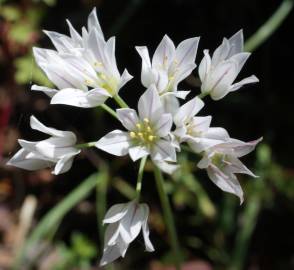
x,y
133,135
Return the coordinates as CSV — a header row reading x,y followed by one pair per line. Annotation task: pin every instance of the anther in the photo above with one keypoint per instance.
x,y
146,120
133,134
138,126
151,138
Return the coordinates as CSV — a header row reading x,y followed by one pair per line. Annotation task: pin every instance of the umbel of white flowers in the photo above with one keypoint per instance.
x,y
84,71
125,221
58,149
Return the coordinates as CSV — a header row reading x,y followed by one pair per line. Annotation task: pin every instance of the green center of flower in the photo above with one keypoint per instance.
x,y
218,160
144,133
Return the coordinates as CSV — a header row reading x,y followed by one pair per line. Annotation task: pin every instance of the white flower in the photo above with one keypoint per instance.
x,y
218,73
125,221
83,68
147,133
196,130
58,149
168,68
222,163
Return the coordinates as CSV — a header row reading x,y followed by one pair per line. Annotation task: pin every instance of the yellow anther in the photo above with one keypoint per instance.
x,y
149,129
140,134
138,126
146,120
151,138
133,134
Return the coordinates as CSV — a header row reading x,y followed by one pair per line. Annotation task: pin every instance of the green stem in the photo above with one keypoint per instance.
x,y
120,101
140,177
168,216
270,26
85,145
109,110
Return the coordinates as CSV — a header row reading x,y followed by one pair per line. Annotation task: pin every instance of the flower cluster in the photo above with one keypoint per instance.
x,y
83,68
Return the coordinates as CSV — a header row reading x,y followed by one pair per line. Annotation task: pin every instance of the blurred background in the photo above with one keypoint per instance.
x,y
52,222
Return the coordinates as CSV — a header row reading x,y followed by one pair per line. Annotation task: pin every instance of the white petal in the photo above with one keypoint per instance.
x,y
64,164
125,77
200,124
93,22
148,245
251,79
221,53
131,224
236,43
149,105
186,52
163,150
166,167
128,118
115,213
204,66
236,166
110,254
58,40
48,91
147,75
188,110
56,148
217,134
163,125
75,36
204,162
37,125
222,78
170,103
26,160
164,53
115,142
245,148
181,94
80,98
137,152
226,182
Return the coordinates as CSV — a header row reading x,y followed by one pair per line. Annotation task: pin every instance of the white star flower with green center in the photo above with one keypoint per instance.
x,y
147,132
218,73
59,149
196,130
168,68
83,68
222,163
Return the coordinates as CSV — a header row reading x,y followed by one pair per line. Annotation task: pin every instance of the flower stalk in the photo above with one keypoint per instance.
x,y
168,216
270,26
109,110
140,177
120,101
